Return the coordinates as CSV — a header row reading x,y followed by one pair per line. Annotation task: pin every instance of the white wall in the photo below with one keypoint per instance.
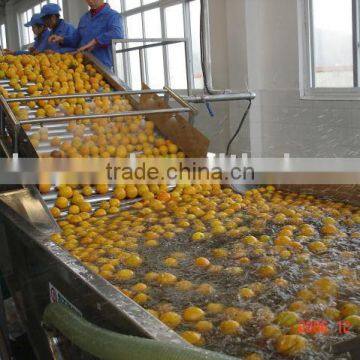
x,y
280,121
12,35
238,71
73,10
263,55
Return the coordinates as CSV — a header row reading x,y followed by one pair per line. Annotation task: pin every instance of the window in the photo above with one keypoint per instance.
x,y
26,34
3,42
151,19
330,48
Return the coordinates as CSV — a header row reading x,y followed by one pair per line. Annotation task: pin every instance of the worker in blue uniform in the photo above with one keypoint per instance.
x,y
96,30
41,37
50,13
41,33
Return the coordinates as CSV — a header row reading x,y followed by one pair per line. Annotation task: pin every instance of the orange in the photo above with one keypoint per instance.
x,y
202,262
55,212
120,194
173,149
171,319
329,229
166,279
62,203
66,192
229,327
44,188
102,189
192,337
131,191
164,196
193,314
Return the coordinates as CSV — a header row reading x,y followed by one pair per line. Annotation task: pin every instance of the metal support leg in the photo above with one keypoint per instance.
x,y
5,349
2,122
16,141
167,99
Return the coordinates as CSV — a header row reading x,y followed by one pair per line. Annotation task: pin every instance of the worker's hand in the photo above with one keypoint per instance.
x,y
89,46
56,39
49,51
32,49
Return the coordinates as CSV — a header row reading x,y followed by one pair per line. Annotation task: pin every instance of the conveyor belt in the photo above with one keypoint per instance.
x,y
59,130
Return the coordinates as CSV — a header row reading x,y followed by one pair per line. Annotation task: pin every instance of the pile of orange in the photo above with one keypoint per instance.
x,y
65,74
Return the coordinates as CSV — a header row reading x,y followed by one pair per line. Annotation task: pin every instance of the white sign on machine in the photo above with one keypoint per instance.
x,y
58,298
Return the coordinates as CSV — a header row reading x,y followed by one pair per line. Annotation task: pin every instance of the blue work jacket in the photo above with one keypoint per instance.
x,y
64,30
41,43
104,27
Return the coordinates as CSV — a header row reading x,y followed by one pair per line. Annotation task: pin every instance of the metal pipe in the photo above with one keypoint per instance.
x,y
144,52
165,49
75,96
148,46
205,48
355,41
8,110
154,40
4,147
188,68
180,100
220,97
16,140
103,116
223,95
115,57
2,122
142,66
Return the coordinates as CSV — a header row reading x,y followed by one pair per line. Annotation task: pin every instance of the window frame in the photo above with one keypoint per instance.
x,y
162,5
3,36
306,57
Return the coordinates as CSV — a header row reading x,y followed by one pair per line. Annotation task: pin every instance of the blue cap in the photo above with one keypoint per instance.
x,y
50,9
35,20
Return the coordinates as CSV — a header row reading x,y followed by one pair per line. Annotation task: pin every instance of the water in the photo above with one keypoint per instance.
x,y
340,263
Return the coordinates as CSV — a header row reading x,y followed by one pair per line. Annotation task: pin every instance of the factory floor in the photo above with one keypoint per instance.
x,y
20,347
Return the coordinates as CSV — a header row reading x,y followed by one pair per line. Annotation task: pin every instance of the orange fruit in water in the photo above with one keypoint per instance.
x,y
329,229
192,337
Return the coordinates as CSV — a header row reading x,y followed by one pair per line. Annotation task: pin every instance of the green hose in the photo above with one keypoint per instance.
x,y
107,345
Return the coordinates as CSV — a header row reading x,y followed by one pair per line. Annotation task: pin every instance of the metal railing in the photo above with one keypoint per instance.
x,y
16,124
163,42
147,44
